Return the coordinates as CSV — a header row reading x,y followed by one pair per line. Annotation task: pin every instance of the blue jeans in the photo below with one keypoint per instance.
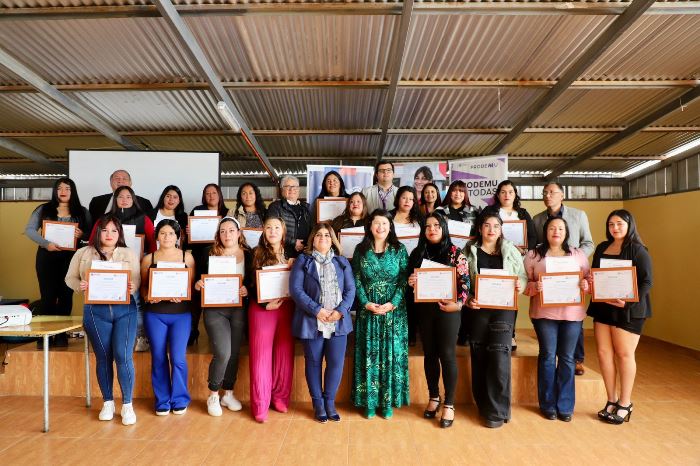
x,y
333,349
111,330
167,335
555,364
578,352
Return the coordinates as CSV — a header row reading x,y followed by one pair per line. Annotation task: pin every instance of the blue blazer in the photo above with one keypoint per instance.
x,y
305,288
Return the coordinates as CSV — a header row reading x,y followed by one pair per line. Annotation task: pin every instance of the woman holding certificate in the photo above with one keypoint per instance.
x,y
250,207
557,278
355,213
439,320
167,318
380,262
52,260
456,205
323,288
618,323
171,206
225,324
111,328
332,186
405,211
491,325
270,329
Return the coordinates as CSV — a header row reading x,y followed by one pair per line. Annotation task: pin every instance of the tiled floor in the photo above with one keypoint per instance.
x,y
664,430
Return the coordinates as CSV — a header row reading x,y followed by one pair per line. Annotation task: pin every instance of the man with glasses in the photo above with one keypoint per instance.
x,y
99,205
381,195
294,212
579,237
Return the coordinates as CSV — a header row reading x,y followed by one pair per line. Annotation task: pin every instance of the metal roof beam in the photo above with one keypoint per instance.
x,y
599,46
194,50
30,153
76,108
398,51
246,9
638,126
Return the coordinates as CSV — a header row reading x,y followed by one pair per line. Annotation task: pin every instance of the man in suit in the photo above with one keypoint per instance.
x,y
381,195
579,237
101,204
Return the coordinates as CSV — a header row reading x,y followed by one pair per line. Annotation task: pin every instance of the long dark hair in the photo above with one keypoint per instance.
x,y
632,234
516,202
259,203
179,209
542,248
414,213
368,240
478,239
50,209
263,254
221,208
443,247
423,202
341,192
455,185
136,206
101,223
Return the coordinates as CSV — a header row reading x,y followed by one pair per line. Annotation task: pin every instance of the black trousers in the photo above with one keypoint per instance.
x,y
225,329
490,334
438,331
51,269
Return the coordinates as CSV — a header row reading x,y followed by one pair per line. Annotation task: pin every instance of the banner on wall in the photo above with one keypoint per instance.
x,y
481,175
355,178
418,174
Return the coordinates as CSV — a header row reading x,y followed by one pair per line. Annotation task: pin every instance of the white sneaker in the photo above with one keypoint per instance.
x,y
213,406
128,414
231,402
180,410
141,345
107,411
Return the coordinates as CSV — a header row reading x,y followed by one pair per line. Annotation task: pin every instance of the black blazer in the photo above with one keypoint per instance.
x,y
99,204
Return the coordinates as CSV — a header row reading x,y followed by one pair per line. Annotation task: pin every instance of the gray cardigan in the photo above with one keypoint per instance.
x,y
579,230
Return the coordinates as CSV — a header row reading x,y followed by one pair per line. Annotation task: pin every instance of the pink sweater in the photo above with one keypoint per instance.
x,y
534,267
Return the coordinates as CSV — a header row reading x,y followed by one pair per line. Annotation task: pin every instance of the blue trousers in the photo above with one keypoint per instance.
x,y
556,389
578,352
333,349
167,335
111,330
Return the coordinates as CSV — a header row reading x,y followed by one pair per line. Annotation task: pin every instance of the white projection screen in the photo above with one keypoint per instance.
x,y
150,172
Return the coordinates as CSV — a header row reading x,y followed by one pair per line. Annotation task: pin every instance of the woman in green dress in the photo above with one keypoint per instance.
x,y
380,262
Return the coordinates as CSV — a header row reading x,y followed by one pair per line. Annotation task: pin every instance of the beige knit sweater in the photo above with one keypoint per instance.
x,y
82,260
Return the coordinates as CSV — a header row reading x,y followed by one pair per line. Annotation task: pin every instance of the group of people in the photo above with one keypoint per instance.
x,y
376,283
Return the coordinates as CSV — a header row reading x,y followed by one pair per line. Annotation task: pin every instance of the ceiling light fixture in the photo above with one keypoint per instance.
x,y
228,116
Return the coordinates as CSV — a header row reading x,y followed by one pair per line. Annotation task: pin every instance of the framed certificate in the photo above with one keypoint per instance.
x,y
222,290
62,234
515,231
348,242
561,289
615,283
329,208
135,243
272,284
496,292
169,284
222,265
460,241
202,229
252,236
432,285
107,287
554,264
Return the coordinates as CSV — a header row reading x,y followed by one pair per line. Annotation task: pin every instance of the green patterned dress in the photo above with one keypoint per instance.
x,y
380,377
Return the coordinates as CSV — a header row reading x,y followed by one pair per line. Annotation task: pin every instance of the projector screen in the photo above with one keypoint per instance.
x,y
150,172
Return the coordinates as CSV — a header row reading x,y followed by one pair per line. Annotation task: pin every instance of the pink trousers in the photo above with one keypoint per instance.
x,y
271,357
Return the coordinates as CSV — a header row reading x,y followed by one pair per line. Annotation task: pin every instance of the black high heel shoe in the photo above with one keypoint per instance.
x,y
616,418
604,414
445,423
431,414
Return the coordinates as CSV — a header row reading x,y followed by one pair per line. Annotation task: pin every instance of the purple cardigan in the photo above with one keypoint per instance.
x,y
305,289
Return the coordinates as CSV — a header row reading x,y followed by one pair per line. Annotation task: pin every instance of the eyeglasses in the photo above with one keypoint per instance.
x,y
385,170
550,193
291,188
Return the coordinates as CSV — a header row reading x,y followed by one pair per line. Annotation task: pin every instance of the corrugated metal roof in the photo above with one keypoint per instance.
x,y
228,146
332,146
35,112
28,168
555,143
296,47
310,108
117,50
607,165
441,145
155,110
461,108
57,147
492,47
651,143
604,107
654,47
687,114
